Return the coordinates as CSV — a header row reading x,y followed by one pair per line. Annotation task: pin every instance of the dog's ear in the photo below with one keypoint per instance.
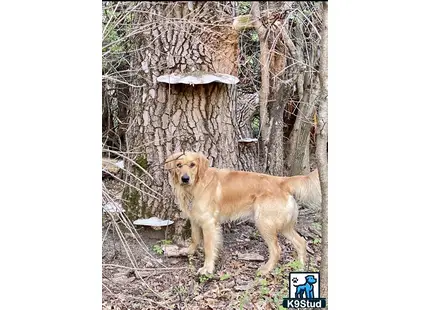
x,y
203,165
170,162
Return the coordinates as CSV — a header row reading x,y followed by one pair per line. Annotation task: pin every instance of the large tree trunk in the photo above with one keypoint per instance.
x,y
164,118
321,149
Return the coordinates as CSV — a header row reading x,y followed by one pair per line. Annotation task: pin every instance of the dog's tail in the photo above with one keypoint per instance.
x,y
306,189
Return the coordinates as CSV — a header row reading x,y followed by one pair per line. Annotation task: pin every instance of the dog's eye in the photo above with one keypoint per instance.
x,y
179,165
192,165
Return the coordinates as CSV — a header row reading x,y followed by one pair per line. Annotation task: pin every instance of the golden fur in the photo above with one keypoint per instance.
x,y
214,196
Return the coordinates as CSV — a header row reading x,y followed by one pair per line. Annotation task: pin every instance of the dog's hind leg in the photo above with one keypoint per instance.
x,y
291,234
212,240
269,233
298,242
196,236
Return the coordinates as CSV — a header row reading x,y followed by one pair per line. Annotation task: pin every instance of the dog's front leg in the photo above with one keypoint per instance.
x,y
212,240
196,236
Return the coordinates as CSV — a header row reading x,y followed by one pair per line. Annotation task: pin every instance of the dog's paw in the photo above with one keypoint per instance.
x,y
264,270
206,270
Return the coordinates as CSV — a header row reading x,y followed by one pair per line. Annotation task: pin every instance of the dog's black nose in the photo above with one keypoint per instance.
x,y
185,178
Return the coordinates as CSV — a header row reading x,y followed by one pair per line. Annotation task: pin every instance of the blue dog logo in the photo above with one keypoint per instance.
x,y
307,287
306,295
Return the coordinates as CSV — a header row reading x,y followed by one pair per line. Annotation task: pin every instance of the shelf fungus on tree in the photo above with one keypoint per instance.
x,y
112,207
153,222
247,140
197,78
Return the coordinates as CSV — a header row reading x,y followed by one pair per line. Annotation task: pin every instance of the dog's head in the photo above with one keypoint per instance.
x,y
311,279
186,168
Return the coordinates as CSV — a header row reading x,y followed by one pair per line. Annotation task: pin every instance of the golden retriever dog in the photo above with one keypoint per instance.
x,y
210,197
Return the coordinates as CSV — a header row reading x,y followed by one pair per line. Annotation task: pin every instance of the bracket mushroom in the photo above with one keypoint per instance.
x,y
197,78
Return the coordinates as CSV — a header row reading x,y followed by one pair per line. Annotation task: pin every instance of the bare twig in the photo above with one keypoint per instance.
x,y
144,269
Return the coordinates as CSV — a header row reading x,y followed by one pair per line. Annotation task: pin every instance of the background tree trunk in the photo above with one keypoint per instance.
x,y
281,65
321,149
265,83
165,118
123,98
272,61
284,73
107,116
299,141
246,110
298,150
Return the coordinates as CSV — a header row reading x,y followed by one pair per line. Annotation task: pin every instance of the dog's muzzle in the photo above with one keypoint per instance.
x,y
185,179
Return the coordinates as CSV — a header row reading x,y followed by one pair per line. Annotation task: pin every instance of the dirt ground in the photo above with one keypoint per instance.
x,y
161,282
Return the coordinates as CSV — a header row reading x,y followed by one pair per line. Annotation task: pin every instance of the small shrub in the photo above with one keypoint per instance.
x,y
157,249
295,265
204,278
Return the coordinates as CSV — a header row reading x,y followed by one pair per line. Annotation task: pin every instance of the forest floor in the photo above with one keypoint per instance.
x,y
160,282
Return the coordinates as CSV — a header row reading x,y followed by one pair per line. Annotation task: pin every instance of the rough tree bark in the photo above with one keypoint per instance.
x,y
321,148
166,118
